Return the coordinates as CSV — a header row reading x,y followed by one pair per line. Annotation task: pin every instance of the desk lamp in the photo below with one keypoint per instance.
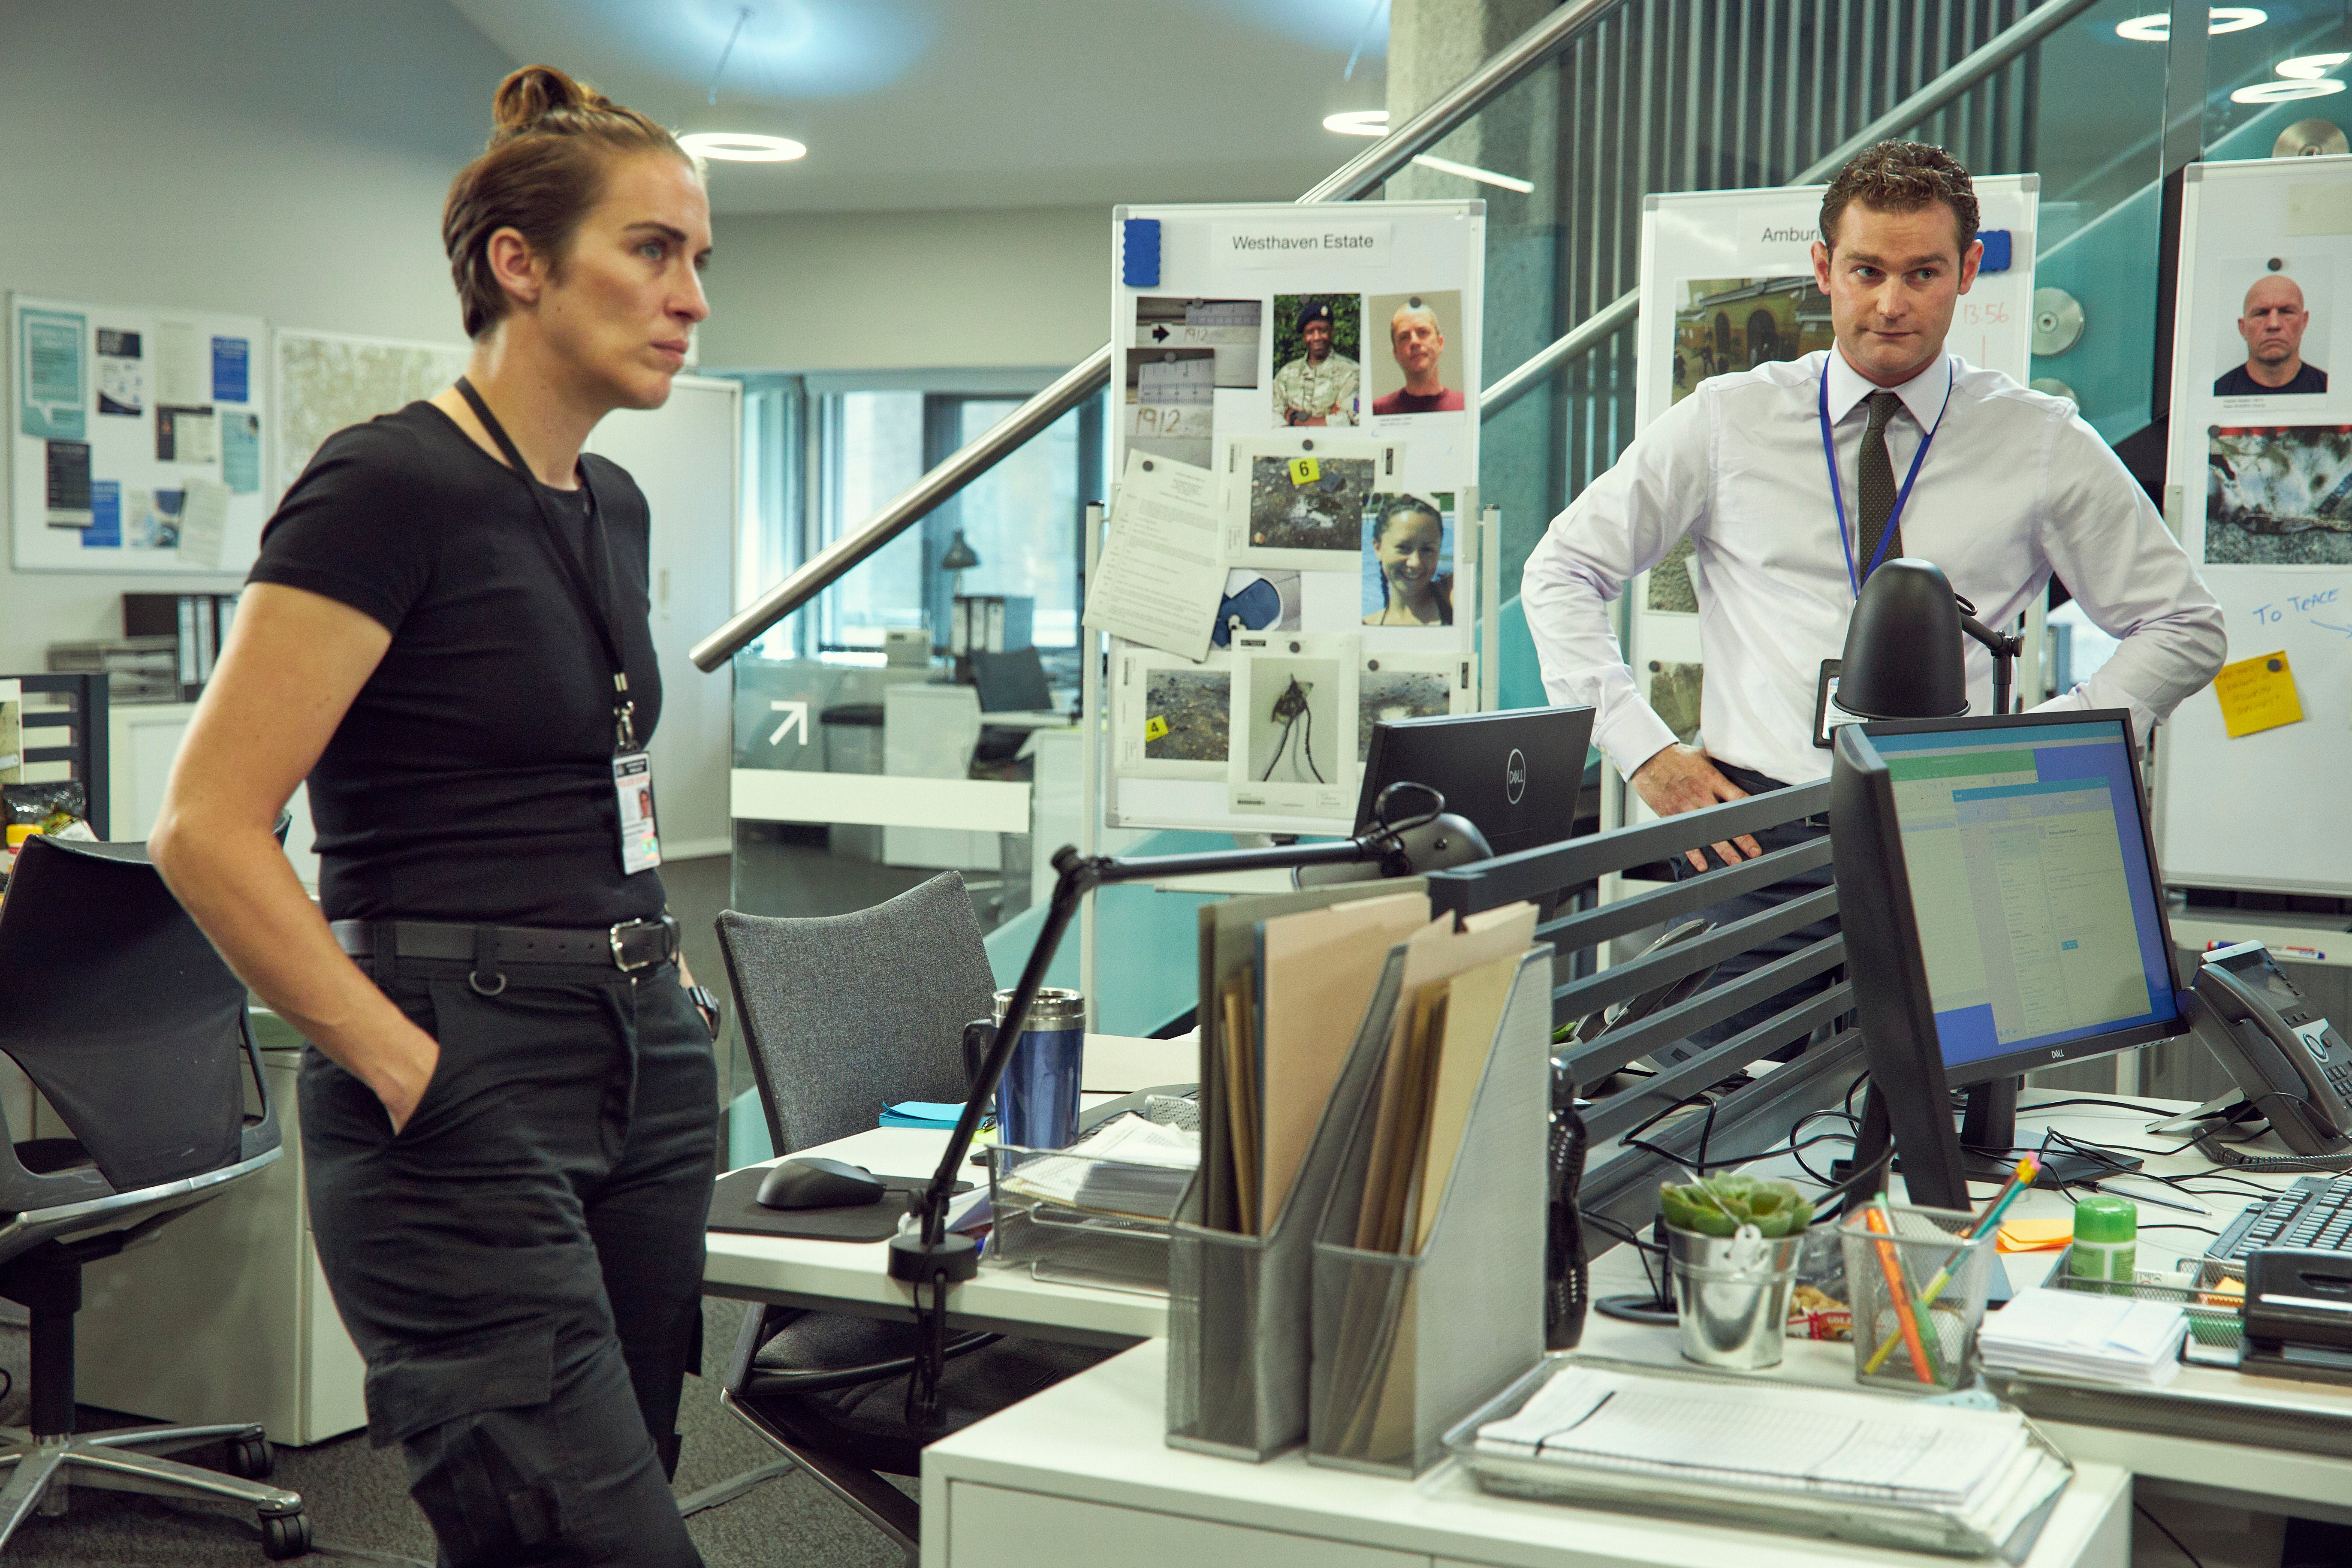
x,y
1432,840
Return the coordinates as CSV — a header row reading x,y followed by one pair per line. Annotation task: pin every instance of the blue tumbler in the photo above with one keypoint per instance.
x,y
1037,1098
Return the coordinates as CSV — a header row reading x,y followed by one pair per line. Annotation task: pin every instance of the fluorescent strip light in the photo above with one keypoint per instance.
x,y
1472,172
743,147
2311,68
1359,123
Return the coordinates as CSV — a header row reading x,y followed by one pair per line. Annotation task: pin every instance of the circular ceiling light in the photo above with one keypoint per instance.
x,y
2285,92
1359,123
743,147
2155,28
2311,68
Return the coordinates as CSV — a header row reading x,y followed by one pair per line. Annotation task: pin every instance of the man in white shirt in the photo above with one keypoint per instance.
x,y
2013,486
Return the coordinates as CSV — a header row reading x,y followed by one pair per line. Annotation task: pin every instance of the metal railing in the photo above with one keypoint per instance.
x,y
1359,177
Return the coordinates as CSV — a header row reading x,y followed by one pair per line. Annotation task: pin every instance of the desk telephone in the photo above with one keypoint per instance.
x,y
2290,1064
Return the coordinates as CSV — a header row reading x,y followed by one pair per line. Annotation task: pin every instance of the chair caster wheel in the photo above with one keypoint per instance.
x,y
251,1458
284,1535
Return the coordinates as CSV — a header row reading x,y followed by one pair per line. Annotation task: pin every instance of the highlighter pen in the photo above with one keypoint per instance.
x,y
1890,1263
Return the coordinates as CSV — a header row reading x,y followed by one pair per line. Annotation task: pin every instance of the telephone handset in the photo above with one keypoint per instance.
x,y
2288,1061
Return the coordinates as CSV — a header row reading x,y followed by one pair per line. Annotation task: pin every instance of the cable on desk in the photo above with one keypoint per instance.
x,y
2194,1560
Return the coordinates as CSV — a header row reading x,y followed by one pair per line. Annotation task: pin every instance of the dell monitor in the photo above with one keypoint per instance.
x,y
2002,911
1516,773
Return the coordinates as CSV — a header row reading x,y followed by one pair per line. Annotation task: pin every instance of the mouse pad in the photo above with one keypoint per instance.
x,y
734,1206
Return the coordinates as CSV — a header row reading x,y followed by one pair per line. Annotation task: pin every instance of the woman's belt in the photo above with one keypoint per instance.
x,y
627,946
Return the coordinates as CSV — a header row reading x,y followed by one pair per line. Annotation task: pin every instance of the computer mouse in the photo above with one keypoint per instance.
x,y
819,1184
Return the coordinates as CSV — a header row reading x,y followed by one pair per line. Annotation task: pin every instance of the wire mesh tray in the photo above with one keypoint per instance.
x,y
1909,1528
2214,1305
1048,1217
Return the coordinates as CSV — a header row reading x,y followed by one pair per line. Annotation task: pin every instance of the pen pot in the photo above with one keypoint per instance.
x,y
1731,1295
1897,1301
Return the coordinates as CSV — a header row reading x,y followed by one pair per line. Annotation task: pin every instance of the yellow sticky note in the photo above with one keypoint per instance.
x,y
1154,728
2257,694
2024,1234
1304,472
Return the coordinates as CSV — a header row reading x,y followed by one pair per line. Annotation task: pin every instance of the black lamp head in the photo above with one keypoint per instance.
x,y
1903,646
960,557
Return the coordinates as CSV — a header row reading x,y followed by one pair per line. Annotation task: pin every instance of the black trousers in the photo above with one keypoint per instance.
x,y
1743,905
522,1265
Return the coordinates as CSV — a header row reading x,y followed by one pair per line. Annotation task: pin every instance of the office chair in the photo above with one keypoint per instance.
x,y
128,1025
843,1016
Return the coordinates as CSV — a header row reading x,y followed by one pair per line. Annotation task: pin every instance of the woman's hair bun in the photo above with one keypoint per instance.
x,y
536,93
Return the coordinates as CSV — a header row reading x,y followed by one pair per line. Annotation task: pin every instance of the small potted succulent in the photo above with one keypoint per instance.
x,y
1733,1243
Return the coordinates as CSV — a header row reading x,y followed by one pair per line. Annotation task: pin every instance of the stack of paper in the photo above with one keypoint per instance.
x,y
1981,1467
1127,1167
2086,1334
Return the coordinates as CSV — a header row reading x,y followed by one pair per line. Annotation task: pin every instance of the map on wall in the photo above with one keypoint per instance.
x,y
328,381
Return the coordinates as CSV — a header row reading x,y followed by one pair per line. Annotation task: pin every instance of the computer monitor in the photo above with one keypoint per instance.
x,y
1012,682
1514,773
2002,911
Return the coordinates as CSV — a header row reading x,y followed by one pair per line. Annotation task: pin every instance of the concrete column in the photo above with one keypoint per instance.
x,y
1434,44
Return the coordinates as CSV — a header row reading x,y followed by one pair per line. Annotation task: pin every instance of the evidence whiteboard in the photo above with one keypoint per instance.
x,y
2255,485
1320,451
1727,284
139,438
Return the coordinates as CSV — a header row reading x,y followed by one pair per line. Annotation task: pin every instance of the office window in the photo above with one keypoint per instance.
x,y
871,445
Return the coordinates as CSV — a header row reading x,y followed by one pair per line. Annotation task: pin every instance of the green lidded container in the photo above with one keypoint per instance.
x,y
2107,1238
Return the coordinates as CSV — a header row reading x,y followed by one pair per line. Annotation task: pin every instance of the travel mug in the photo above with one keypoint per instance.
x,y
1037,1098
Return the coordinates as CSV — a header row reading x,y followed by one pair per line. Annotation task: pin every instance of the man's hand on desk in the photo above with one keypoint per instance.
x,y
1683,778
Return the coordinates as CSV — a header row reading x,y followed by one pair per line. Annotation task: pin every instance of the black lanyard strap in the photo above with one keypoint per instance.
x,y
575,574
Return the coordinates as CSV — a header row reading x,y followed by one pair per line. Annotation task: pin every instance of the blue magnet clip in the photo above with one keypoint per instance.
x,y
1139,265
1996,251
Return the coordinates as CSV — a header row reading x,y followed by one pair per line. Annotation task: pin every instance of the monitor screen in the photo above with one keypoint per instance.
x,y
2038,904
1514,773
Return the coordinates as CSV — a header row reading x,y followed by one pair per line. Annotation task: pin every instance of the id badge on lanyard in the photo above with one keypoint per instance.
x,y
638,841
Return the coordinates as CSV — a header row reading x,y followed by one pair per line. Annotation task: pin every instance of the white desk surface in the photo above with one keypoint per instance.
x,y
1098,1439
850,1276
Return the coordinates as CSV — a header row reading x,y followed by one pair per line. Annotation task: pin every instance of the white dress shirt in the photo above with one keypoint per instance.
x,y
2014,488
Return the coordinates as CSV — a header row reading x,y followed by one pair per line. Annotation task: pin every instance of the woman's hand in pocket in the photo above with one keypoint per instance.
x,y
401,1072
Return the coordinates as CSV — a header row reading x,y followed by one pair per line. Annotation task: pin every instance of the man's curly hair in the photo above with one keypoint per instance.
x,y
1902,177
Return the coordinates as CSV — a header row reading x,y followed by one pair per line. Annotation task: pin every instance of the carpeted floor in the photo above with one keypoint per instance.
x,y
358,1498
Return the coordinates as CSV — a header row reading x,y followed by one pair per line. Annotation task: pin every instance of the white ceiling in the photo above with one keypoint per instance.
x,y
979,104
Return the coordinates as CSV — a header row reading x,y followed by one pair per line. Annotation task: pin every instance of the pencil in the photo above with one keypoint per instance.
x,y
1891,1264
2019,1179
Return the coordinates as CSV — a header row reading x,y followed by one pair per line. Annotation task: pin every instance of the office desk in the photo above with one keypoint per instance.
x,y
1079,1476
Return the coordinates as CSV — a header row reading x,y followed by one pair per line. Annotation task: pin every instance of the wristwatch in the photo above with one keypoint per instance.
x,y
706,1005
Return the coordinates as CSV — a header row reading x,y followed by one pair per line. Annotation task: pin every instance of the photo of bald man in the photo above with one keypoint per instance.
x,y
1416,325
2273,324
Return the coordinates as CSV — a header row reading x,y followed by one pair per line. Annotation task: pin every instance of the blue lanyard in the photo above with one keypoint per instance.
x,y
1837,494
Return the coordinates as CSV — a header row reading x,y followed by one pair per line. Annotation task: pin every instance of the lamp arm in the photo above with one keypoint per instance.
x,y
2005,650
1077,875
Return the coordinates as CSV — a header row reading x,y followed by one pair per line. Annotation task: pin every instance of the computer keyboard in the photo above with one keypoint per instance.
x,y
2314,1213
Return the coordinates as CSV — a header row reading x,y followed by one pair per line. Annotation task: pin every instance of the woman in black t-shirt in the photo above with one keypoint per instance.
x,y
509,1107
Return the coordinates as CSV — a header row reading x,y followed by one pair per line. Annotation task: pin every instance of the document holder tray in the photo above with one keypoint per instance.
x,y
1407,1344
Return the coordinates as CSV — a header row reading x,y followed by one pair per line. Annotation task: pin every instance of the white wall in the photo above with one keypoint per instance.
x,y
909,290
279,158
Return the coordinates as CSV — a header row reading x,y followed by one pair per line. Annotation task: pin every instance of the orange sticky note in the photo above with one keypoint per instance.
x,y
2035,1234
2257,694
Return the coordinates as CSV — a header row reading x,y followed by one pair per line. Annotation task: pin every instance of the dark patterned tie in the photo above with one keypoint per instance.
x,y
1877,488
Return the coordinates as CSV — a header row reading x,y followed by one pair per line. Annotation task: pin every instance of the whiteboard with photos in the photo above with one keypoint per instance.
x,y
138,438
1323,362
1727,284
2258,480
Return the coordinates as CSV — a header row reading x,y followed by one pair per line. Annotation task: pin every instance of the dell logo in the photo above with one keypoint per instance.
x,y
1514,776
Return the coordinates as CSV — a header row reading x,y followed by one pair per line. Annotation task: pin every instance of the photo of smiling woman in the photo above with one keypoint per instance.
x,y
507,1097
1408,557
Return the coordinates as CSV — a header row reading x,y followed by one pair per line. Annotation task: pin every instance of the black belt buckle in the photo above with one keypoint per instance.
x,y
641,944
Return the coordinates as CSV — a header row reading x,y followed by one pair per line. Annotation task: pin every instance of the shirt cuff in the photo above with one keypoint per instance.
x,y
1631,734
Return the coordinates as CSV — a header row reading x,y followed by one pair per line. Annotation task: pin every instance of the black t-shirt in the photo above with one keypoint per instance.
x,y
2236,383
472,778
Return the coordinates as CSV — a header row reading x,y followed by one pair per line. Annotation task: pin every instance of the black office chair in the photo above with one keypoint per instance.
x,y
843,1016
136,1034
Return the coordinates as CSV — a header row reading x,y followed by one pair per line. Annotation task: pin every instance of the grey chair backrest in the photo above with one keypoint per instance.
x,y
843,1015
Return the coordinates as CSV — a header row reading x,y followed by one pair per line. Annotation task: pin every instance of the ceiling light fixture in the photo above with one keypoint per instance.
x,y
2285,92
1374,123
2311,68
2155,28
743,147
